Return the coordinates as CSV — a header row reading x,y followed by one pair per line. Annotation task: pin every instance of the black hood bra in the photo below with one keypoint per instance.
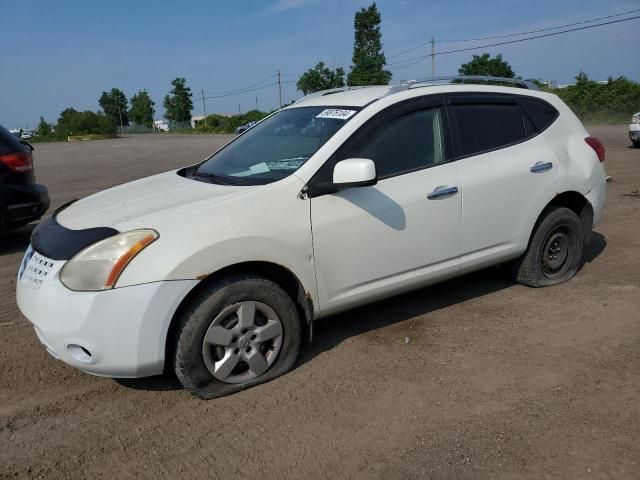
x,y
60,243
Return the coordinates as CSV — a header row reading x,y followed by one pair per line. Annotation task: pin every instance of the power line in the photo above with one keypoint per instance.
x,y
493,37
230,94
540,30
244,88
414,60
422,57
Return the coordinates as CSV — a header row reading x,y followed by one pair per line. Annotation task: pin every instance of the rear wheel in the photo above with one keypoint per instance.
x,y
636,144
555,250
238,333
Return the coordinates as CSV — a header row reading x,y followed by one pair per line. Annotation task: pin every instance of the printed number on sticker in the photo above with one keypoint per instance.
x,y
336,113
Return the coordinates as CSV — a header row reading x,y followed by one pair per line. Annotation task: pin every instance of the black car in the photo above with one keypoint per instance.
x,y
21,199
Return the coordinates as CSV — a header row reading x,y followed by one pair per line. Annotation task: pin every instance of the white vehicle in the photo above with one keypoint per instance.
x,y
634,130
161,125
26,135
218,270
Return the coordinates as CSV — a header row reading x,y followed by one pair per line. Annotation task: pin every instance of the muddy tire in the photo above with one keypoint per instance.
x,y
239,332
554,254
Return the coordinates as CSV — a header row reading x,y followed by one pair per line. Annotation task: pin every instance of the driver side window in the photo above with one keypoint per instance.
x,y
409,142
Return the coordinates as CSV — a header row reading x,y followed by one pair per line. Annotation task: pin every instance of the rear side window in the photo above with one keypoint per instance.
x,y
406,143
487,126
539,112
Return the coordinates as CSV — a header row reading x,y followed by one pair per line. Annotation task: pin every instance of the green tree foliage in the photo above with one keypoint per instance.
x,y
582,78
141,111
368,57
114,105
320,78
228,124
72,122
44,129
610,102
178,104
485,65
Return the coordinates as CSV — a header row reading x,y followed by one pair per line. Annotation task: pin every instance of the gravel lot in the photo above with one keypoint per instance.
x,y
497,380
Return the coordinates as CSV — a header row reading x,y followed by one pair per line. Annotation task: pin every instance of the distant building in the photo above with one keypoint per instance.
x,y
565,85
196,118
161,125
199,118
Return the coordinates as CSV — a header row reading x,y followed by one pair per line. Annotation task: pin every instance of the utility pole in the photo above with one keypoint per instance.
x,y
204,107
433,57
239,112
279,90
121,127
257,103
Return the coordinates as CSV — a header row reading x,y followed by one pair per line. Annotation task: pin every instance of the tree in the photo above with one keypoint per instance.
x,y
485,65
141,111
320,78
582,78
368,57
72,122
44,129
114,105
178,105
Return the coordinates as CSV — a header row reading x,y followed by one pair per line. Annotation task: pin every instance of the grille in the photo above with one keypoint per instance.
x,y
36,270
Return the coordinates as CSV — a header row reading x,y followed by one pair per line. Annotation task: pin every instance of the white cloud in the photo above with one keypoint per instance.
x,y
284,5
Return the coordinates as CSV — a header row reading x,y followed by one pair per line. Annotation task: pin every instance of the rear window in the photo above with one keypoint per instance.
x,y
539,112
9,143
487,126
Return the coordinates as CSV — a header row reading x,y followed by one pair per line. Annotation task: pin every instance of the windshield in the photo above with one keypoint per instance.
x,y
276,147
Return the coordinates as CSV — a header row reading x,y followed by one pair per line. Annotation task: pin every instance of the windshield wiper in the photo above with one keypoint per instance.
x,y
212,177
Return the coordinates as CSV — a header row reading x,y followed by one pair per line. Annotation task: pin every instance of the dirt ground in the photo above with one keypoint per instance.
x,y
497,380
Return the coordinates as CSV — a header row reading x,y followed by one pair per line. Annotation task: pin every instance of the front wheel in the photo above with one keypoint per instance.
x,y
240,332
636,144
555,250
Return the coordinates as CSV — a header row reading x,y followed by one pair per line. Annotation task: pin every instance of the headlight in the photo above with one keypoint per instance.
x,y
635,119
99,266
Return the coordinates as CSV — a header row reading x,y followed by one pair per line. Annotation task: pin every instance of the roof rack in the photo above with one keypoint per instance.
x,y
329,91
430,81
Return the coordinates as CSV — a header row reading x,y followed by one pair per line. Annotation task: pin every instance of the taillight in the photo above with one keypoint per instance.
x,y
18,162
597,146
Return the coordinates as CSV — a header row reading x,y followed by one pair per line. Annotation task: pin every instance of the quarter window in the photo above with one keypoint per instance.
x,y
409,142
486,126
540,112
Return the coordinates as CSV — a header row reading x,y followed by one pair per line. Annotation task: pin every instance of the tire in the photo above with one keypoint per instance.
x,y
636,144
554,254
240,332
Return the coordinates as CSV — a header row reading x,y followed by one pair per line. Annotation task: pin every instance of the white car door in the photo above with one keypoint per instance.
x,y
374,241
508,175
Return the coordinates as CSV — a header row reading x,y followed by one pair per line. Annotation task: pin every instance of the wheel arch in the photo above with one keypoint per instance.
x,y
278,274
575,202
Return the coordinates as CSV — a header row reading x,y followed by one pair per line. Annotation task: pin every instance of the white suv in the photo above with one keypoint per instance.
x,y
218,270
634,130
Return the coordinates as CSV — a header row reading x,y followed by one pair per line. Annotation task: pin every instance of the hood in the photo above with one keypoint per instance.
x,y
140,203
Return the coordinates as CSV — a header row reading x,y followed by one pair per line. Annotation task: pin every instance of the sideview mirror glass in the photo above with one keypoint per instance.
x,y
355,172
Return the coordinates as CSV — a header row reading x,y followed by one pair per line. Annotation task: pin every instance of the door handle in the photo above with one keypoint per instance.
x,y
442,192
541,167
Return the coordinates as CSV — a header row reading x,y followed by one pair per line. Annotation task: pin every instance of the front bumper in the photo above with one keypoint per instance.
x,y
115,333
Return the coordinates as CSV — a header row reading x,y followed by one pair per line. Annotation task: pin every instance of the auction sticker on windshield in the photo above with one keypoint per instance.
x,y
336,113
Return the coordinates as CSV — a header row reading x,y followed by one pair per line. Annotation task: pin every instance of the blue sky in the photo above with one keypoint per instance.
x,y
65,53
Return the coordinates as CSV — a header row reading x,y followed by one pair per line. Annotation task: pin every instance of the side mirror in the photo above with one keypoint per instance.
x,y
354,172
